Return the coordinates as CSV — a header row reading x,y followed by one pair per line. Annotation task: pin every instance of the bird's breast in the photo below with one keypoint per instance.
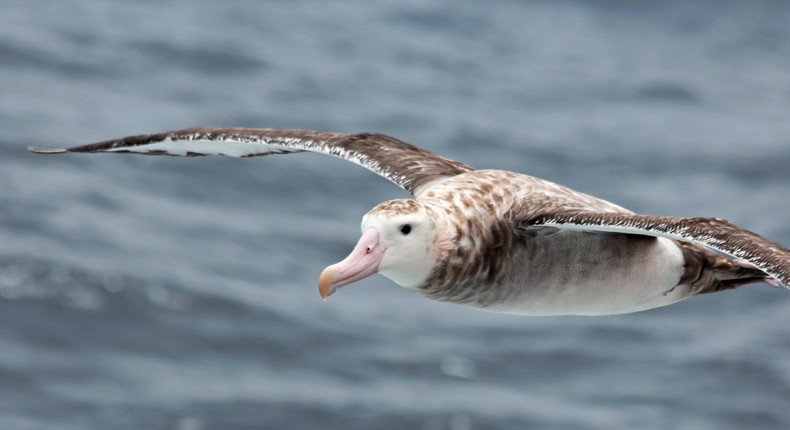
x,y
565,273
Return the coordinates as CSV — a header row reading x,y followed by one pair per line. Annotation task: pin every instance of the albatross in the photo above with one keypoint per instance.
x,y
498,240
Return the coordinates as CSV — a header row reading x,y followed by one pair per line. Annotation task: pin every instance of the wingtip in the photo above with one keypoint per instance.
x,y
37,150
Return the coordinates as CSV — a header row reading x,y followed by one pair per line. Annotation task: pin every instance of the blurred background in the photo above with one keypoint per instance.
x,y
173,293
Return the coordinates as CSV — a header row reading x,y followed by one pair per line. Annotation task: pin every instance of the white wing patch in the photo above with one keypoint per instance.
x,y
614,229
185,146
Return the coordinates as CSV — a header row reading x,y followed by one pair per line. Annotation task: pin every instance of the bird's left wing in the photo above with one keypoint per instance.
x,y
402,163
715,233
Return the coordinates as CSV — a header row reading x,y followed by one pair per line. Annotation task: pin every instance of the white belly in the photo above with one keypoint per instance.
x,y
576,273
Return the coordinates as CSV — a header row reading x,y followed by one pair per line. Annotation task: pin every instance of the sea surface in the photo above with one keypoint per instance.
x,y
173,293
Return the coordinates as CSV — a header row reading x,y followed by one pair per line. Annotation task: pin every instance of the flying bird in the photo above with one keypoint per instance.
x,y
498,240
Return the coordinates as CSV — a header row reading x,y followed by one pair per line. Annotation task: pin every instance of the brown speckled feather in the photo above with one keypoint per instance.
x,y
480,209
400,162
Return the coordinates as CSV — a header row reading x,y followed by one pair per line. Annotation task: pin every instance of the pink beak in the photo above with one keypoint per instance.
x,y
362,262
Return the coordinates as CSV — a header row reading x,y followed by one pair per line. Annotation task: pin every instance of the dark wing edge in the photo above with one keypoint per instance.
x,y
715,233
402,163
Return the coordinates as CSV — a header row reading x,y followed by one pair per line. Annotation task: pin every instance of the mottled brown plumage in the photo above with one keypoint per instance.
x,y
501,240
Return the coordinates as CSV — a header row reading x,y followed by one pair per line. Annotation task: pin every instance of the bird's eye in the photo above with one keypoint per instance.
x,y
405,229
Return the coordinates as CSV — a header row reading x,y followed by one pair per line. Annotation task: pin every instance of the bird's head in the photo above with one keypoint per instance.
x,y
400,239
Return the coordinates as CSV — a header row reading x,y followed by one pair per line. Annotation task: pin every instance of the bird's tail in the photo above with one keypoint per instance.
x,y
709,272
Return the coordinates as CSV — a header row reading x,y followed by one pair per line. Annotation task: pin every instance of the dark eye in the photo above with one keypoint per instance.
x,y
405,229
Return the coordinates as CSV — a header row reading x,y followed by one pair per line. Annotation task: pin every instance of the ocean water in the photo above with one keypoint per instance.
x,y
169,293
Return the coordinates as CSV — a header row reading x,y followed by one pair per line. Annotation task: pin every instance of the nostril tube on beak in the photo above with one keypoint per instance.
x,y
363,261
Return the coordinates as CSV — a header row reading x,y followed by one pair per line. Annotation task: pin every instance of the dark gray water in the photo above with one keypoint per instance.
x,y
164,293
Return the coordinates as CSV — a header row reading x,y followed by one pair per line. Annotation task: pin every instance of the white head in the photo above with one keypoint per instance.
x,y
399,240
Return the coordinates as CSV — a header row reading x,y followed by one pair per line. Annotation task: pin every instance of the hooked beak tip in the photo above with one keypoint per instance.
x,y
325,287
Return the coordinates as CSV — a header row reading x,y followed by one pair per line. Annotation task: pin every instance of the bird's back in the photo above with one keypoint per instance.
x,y
495,264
